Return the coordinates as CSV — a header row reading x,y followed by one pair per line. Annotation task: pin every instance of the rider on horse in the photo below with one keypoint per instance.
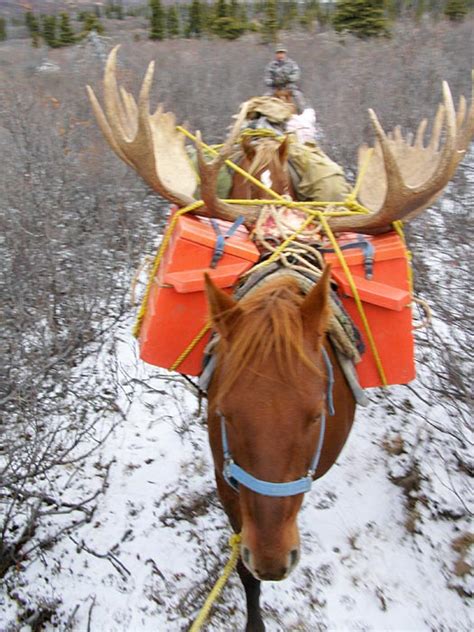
x,y
281,74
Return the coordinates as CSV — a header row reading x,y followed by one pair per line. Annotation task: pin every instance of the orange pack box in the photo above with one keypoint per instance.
x,y
176,307
386,298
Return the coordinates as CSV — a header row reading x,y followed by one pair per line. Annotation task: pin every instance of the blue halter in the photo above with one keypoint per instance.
x,y
235,475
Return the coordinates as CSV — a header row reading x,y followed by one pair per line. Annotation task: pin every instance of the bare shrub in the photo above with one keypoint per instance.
x,y
75,222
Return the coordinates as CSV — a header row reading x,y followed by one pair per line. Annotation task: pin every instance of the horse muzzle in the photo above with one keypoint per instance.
x,y
270,567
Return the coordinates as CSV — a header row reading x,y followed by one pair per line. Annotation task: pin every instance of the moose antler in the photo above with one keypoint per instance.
x,y
209,172
147,142
151,144
403,177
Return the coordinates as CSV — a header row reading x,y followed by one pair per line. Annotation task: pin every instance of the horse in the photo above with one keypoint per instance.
x,y
276,384
286,95
267,160
277,378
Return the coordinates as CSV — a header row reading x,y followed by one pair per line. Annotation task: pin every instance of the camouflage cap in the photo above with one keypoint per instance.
x,y
280,48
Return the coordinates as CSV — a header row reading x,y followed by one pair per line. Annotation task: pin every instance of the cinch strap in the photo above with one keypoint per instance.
x,y
235,475
220,240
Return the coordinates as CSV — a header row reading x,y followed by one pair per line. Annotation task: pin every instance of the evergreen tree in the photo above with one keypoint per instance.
x,y
3,29
363,18
157,20
270,22
289,15
242,15
311,12
92,23
196,19
49,26
66,34
456,10
172,21
420,10
227,28
234,9
33,27
221,9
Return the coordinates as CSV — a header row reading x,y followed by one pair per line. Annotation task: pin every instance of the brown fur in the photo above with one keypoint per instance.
x,y
273,330
264,154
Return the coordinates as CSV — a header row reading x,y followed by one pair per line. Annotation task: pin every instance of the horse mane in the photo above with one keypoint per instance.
x,y
268,328
265,151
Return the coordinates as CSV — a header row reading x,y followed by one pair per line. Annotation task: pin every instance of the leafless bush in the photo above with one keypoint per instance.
x,y
74,226
75,221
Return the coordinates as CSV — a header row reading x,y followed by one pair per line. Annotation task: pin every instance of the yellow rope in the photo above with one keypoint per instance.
x,y
361,175
234,542
360,307
191,346
312,215
398,226
157,261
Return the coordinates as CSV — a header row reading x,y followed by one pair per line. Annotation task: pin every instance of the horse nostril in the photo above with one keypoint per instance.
x,y
294,557
246,555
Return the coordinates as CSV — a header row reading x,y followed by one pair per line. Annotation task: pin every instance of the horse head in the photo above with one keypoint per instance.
x,y
267,402
286,95
266,159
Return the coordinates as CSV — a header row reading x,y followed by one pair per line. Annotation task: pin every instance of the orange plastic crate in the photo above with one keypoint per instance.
x,y
177,307
386,298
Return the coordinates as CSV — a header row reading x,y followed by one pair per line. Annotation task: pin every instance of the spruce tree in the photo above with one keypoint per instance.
x,y
221,10
311,12
3,29
456,10
363,18
92,23
234,9
172,21
66,34
157,20
32,24
289,15
195,23
242,16
420,10
270,22
49,26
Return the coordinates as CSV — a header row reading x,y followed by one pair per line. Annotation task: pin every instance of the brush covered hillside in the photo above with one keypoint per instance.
x,y
109,519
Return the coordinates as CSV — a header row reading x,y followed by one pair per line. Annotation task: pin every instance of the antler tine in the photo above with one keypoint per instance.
x,y
413,175
149,144
105,127
209,172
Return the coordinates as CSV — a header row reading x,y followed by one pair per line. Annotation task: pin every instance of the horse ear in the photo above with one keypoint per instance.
x,y
224,310
249,148
316,309
283,150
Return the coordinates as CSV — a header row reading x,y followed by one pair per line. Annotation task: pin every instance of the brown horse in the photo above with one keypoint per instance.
x,y
267,160
275,381
272,387
285,95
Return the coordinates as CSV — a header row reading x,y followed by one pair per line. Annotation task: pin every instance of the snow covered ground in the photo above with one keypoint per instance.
x,y
378,531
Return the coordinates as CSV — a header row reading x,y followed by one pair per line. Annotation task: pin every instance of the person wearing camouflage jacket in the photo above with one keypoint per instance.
x,y
284,73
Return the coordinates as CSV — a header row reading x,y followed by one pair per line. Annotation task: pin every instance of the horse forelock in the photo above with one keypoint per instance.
x,y
269,331
265,152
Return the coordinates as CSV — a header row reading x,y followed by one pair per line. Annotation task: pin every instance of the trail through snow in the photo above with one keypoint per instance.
x,y
166,535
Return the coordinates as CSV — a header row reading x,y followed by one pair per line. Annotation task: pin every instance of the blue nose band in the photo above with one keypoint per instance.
x,y
235,475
